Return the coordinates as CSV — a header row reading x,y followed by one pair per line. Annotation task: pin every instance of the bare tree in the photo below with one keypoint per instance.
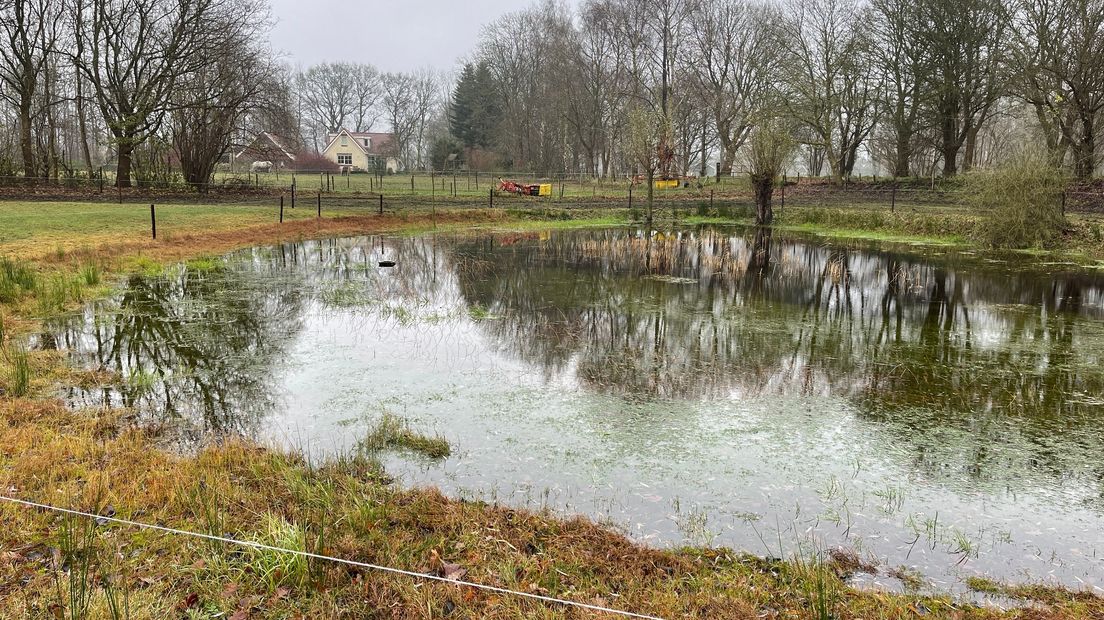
x,y
328,96
366,93
134,54
833,86
209,104
733,59
966,44
1060,56
409,101
898,50
29,30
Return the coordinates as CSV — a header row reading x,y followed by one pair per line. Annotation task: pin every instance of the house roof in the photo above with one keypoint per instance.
x,y
379,141
272,139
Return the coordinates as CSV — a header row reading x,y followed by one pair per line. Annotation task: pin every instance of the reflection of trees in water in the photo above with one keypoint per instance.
x,y
975,348
196,346
202,346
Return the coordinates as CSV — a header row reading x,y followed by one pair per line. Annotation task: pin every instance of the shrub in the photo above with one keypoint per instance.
x,y
1022,203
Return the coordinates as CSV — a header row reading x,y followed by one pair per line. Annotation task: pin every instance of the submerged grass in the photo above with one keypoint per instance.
x,y
346,508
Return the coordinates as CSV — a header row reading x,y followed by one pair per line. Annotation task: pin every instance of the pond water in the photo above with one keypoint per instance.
x,y
936,410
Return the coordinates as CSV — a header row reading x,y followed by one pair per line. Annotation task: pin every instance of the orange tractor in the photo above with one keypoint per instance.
x,y
533,189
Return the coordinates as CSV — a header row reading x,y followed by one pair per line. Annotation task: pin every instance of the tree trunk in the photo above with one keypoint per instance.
x,y
949,147
1086,152
764,195
82,124
704,153
123,168
651,195
902,162
969,156
26,141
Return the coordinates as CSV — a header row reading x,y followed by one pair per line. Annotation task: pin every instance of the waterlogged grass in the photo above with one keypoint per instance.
x,y
395,433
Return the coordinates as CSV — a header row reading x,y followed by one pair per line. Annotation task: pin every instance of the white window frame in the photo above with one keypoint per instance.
x,y
344,140
345,159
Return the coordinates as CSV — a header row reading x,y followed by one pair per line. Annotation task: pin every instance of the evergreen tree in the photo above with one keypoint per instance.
x,y
473,115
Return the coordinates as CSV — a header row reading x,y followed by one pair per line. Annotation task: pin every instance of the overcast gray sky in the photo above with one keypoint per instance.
x,y
394,35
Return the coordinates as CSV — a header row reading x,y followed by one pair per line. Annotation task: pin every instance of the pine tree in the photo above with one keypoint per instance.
x,y
473,115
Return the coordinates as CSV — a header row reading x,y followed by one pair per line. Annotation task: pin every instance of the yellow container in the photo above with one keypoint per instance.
x,y
546,189
667,184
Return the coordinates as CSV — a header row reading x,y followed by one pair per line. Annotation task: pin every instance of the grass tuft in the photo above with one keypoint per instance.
x,y
16,279
91,274
19,375
393,432
275,569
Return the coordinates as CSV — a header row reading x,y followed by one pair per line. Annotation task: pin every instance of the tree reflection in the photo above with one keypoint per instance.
x,y
195,345
921,346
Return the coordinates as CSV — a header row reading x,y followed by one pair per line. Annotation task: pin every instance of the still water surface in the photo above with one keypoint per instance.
x,y
934,409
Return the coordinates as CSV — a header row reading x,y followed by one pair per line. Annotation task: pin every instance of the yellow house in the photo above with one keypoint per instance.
x,y
361,151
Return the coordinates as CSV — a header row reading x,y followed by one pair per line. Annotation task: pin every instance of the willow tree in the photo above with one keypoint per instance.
x,y
770,147
648,147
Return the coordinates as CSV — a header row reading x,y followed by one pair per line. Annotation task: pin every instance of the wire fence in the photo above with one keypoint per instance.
x,y
480,190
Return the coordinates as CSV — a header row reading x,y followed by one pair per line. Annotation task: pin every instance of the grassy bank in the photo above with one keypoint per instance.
x,y
94,460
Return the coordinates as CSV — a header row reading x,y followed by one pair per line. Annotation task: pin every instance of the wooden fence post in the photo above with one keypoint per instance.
x,y
319,203
893,199
153,221
381,204
492,197
281,208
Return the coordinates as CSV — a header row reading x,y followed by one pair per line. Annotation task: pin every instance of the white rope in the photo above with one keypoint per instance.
x,y
387,569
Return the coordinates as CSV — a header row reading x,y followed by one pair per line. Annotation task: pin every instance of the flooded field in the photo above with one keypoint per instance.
x,y
938,411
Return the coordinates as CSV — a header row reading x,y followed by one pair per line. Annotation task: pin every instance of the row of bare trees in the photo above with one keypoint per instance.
x,y
651,87
915,87
142,83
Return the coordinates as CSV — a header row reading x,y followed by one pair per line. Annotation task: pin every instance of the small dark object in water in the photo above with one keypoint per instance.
x,y
387,263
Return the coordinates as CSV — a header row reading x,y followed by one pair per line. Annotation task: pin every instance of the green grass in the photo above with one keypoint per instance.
x,y
16,279
19,373
26,227
393,432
